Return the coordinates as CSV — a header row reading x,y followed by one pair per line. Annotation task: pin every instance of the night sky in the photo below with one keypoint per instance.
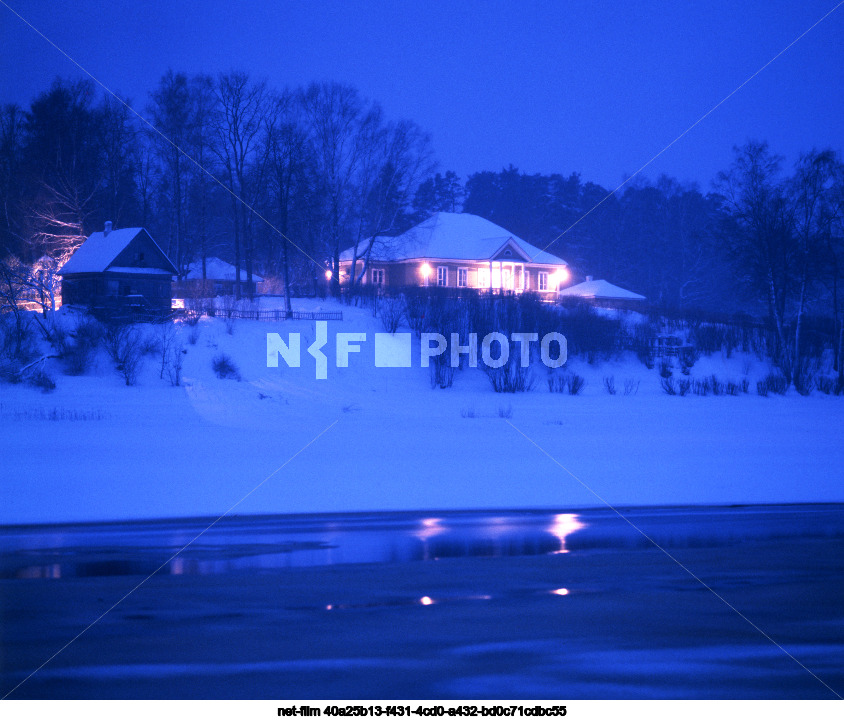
x,y
593,87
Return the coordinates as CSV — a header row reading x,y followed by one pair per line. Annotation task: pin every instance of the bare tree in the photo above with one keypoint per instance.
x,y
117,135
287,147
11,151
761,236
334,114
396,157
242,106
812,187
201,138
170,110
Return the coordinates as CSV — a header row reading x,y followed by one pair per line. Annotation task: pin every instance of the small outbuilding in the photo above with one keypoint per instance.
x,y
602,292
118,271
219,280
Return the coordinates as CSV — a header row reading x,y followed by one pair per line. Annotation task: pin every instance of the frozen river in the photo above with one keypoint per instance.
x,y
519,604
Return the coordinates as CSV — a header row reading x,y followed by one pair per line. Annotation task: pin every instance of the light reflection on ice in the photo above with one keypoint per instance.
x,y
563,525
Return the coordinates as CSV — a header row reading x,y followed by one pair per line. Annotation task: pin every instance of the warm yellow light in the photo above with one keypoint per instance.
x,y
426,270
426,601
328,274
560,592
558,277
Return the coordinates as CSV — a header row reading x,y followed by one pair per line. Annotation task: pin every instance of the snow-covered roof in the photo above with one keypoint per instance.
x,y
600,289
137,271
100,250
216,269
457,236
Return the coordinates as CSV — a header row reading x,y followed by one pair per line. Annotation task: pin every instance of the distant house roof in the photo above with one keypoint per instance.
x,y
600,289
216,269
100,250
454,236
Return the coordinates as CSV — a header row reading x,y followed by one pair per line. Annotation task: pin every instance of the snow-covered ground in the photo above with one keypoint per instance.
x,y
280,441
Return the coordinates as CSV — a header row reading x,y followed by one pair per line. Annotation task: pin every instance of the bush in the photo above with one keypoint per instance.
x,y
772,383
9,371
576,384
511,377
125,345
804,383
41,379
676,387
825,384
609,384
87,335
174,365
225,367
193,334
688,357
665,370
572,384
442,374
391,311
557,384
631,386
716,387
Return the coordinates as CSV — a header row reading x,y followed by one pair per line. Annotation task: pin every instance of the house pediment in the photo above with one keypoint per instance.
x,y
510,251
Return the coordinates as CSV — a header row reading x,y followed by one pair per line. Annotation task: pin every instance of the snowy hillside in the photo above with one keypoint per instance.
x,y
372,438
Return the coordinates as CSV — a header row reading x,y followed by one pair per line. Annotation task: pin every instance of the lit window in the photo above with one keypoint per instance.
x,y
543,281
462,277
442,275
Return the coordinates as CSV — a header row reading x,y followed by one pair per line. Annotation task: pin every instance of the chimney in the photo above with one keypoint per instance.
x,y
107,228
588,277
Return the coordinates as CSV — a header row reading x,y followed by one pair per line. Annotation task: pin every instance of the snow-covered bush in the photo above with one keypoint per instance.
x,y
511,377
829,386
226,307
225,367
575,384
442,373
125,346
687,357
772,383
41,379
570,383
609,384
588,333
391,311
9,371
674,387
631,386
174,364
78,354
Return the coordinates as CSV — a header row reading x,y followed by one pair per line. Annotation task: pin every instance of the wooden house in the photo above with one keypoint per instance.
x,y
456,250
219,280
116,271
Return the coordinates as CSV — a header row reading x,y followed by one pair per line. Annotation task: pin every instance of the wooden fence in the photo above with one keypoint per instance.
x,y
276,314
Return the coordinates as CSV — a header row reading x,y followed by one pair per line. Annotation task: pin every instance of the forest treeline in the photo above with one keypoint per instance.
x,y
279,182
